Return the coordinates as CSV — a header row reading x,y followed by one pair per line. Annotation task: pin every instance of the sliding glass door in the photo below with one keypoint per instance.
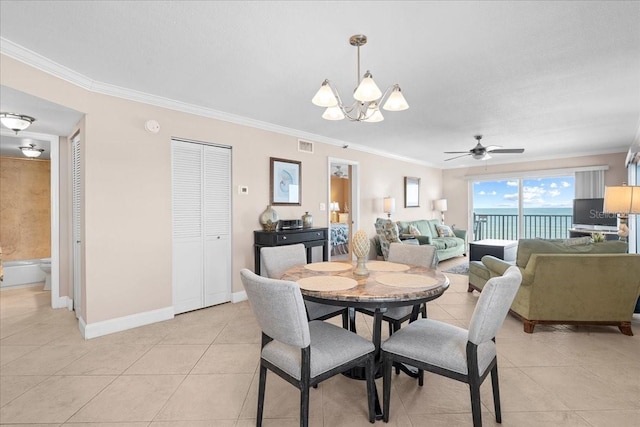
x,y
523,208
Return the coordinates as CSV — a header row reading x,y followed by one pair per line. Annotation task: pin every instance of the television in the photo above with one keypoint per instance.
x,y
588,214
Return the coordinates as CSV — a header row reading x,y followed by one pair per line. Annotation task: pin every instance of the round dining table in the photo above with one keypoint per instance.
x,y
386,285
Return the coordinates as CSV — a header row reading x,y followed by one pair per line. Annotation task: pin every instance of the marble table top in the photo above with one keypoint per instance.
x,y
369,292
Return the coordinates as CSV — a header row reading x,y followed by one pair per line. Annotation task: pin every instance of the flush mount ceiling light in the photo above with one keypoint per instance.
x,y
31,151
368,96
16,122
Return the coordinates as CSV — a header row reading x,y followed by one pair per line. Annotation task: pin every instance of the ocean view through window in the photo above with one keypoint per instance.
x,y
523,208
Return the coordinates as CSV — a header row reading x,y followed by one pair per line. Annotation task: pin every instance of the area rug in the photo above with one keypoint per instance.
x,y
459,269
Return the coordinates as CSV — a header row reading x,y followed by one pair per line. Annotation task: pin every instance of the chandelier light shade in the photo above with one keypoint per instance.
x,y
31,151
16,122
368,96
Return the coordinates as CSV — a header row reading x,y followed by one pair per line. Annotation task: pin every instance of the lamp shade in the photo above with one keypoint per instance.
x,y
623,199
374,114
389,205
367,90
396,101
325,97
440,205
333,113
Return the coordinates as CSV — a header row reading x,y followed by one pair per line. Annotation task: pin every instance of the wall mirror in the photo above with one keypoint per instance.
x,y
411,192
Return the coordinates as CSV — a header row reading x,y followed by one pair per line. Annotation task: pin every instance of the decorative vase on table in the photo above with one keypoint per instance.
x,y
269,219
307,220
361,246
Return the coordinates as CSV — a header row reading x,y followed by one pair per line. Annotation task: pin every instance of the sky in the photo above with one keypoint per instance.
x,y
556,192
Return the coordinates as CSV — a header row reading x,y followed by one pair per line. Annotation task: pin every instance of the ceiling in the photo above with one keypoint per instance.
x,y
559,79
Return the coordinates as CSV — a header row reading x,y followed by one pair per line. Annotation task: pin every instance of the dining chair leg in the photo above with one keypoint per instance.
x,y
345,319
304,407
474,388
420,377
387,362
262,383
496,393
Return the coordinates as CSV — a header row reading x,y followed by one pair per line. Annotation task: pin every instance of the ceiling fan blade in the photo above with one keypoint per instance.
x,y
456,152
508,150
457,157
492,147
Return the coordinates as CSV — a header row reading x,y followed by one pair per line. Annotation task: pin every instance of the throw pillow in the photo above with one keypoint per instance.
x,y
577,241
445,231
414,231
387,231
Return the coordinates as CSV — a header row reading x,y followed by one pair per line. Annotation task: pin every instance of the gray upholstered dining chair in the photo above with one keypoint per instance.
x,y
448,350
301,352
422,255
278,259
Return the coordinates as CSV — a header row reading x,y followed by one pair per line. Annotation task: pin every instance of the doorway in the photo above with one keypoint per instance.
x,y
343,203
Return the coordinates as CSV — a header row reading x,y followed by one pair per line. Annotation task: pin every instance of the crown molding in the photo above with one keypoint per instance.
x,y
44,64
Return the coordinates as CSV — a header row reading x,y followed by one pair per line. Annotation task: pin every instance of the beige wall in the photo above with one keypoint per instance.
x,y
25,208
127,185
455,185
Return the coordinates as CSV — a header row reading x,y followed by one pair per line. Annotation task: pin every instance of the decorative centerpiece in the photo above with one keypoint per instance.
x,y
307,220
269,219
598,237
361,246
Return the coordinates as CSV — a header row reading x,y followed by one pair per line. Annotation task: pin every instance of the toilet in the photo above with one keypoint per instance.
x,y
45,266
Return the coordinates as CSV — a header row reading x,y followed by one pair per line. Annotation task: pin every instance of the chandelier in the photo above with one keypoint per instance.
x,y
31,151
16,122
368,97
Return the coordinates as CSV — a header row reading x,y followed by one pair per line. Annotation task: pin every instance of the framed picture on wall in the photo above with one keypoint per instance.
x,y
286,182
411,192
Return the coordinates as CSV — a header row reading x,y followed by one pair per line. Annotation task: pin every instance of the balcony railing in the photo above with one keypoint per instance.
x,y
489,226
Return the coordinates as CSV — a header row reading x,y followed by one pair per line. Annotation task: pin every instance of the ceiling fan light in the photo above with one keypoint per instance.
x,y
396,101
367,90
16,122
333,113
325,97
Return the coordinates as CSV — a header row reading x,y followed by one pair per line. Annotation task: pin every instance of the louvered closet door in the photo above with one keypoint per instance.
x,y
201,186
217,225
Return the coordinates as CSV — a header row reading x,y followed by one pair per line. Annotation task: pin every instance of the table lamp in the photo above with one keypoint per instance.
x,y
389,206
622,200
440,205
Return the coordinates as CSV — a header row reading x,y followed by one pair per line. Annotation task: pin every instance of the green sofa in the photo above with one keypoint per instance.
x,y
446,247
566,283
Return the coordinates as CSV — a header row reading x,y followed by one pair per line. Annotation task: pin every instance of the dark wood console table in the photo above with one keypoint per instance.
x,y
310,237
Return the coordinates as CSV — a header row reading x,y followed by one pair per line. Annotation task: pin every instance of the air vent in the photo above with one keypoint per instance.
x,y
305,146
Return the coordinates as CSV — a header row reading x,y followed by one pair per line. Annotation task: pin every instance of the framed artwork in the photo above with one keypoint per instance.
x,y
411,192
286,182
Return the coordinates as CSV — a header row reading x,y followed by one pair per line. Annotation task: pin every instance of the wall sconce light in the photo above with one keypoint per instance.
x,y
389,206
440,205
622,200
16,122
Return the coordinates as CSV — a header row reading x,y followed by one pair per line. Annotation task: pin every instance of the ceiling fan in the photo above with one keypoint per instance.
x,y
480,152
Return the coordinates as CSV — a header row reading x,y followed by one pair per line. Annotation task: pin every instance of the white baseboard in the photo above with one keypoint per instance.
x,y
62,302
238,296
98,329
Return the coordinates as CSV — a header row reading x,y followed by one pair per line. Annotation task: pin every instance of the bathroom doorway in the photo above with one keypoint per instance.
x,y
343,207
43,241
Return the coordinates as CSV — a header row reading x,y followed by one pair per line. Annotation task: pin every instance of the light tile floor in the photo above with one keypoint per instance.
x,y
200,369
